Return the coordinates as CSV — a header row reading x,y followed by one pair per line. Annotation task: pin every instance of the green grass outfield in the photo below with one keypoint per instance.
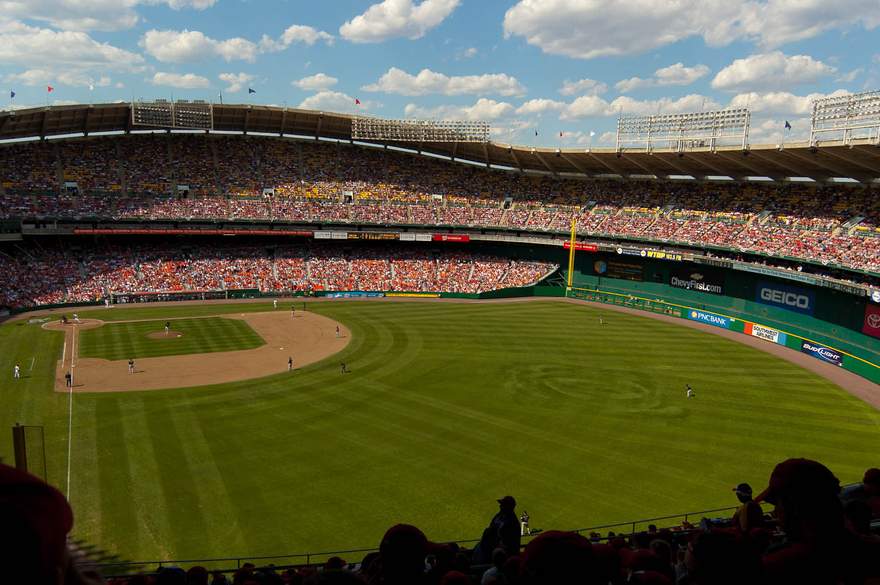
x,y
448,407
121,341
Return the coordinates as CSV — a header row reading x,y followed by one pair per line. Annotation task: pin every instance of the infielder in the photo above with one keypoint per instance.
x,y
290,364
167,327
337,331
16,372
292,311
274,303
131,366
690,391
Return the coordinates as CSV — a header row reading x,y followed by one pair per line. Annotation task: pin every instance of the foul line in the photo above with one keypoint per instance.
x,y
70,410
33,361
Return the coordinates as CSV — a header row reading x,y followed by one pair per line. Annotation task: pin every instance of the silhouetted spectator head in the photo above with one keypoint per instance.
x,y
507,503
499,557
34,522
872,481
743,492
558,558
335,578
403,551
335,564
805,494
197,576
171,576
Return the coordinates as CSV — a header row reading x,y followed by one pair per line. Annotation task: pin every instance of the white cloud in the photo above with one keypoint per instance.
x,y
335,101
540,106
171,46
850,76
584,86
41,77
585,106
296,33
316,82
426,82
391,19
104,15
482,109
586,29
62,51
183,81
780,102
469,53
770,71
235,81
676,74
591,106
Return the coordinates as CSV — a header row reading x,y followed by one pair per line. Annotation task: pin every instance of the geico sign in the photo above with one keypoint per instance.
x,y
789,299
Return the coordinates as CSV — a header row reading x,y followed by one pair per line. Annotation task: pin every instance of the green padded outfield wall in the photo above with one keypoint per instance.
x,y
817,314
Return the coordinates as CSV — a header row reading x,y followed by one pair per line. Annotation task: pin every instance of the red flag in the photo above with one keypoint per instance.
x,y
357,102
50,89
560,134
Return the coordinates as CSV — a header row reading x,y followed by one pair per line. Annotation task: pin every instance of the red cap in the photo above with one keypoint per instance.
x,y
804,478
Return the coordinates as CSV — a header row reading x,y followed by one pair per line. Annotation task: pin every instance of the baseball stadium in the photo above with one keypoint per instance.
x,y
281,344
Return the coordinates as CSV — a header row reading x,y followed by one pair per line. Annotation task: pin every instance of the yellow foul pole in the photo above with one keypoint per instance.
x,y
571,252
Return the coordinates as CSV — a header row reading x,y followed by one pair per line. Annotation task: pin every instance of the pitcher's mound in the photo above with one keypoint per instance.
x,y
163,335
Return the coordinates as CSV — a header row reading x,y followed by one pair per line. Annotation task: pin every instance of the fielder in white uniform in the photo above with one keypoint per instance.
x,y
16,372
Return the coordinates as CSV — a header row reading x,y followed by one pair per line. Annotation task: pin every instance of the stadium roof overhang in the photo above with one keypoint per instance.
x,y
828,161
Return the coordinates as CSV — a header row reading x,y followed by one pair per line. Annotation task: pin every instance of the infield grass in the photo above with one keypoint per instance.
x,y
447,408
139,339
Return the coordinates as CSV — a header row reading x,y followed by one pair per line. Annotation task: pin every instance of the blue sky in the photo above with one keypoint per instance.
x,y
550,66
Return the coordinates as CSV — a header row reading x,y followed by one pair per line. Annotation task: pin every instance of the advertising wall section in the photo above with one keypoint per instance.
x,y
838,323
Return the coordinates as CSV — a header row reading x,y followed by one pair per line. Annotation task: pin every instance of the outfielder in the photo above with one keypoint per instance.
x,y
274,303
167,327
16,372
690,391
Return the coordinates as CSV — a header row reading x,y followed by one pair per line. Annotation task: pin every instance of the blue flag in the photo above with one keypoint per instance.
x,y
787,125
12,95
251,90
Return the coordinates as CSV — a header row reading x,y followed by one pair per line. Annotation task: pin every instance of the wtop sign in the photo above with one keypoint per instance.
x,y
786,297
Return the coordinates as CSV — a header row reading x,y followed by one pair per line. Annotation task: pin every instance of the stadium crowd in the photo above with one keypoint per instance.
x,y
184,176
816,534
41,275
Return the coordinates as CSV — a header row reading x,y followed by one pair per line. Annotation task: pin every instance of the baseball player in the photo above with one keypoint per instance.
x,y
274,303
76,318
342,368
524,524
292,311
601,321
167,327
290,364
68,379
690,391
337,331
16,372
131,366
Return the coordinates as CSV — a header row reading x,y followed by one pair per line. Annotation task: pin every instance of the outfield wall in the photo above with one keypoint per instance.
x,y
821,322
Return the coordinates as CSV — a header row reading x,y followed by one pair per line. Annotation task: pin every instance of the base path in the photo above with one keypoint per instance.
x,y
307,338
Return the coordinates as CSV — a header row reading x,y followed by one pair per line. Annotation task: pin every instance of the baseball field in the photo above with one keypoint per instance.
x,y
445,408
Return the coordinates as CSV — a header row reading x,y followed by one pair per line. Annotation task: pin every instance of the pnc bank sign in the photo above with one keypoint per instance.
x,y
787,297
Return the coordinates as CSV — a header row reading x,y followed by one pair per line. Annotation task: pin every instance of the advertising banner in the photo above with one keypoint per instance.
x,y
451,238
784,296
373,236
353,295
765,333
580,246
872,320
826,354
707,281
413,295
710,318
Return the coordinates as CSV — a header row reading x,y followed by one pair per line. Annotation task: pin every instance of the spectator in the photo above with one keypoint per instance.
x,y
749,515
495,573
503,530
558,558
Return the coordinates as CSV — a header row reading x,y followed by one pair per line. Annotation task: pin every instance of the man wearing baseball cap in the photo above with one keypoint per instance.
x,y
503,530
749,515
817,549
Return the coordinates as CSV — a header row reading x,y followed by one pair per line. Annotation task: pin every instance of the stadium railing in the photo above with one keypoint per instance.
x,y
313,559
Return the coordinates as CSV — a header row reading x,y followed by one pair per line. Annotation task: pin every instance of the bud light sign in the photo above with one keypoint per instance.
x,y
787,297
823,353
710,318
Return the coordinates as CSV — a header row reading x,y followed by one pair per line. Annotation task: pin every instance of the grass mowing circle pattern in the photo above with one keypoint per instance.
x,y
447,408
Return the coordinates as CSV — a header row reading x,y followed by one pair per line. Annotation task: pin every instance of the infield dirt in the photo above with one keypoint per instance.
x,y
307,338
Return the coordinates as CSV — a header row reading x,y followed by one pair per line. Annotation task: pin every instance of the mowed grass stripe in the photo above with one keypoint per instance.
x,y
122,341
450,406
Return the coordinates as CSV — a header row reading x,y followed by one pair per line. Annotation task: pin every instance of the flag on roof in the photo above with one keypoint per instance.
x,y
592,133
11,95
787,125
91,87
536,132
251,90
357,102
49,89
560,134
